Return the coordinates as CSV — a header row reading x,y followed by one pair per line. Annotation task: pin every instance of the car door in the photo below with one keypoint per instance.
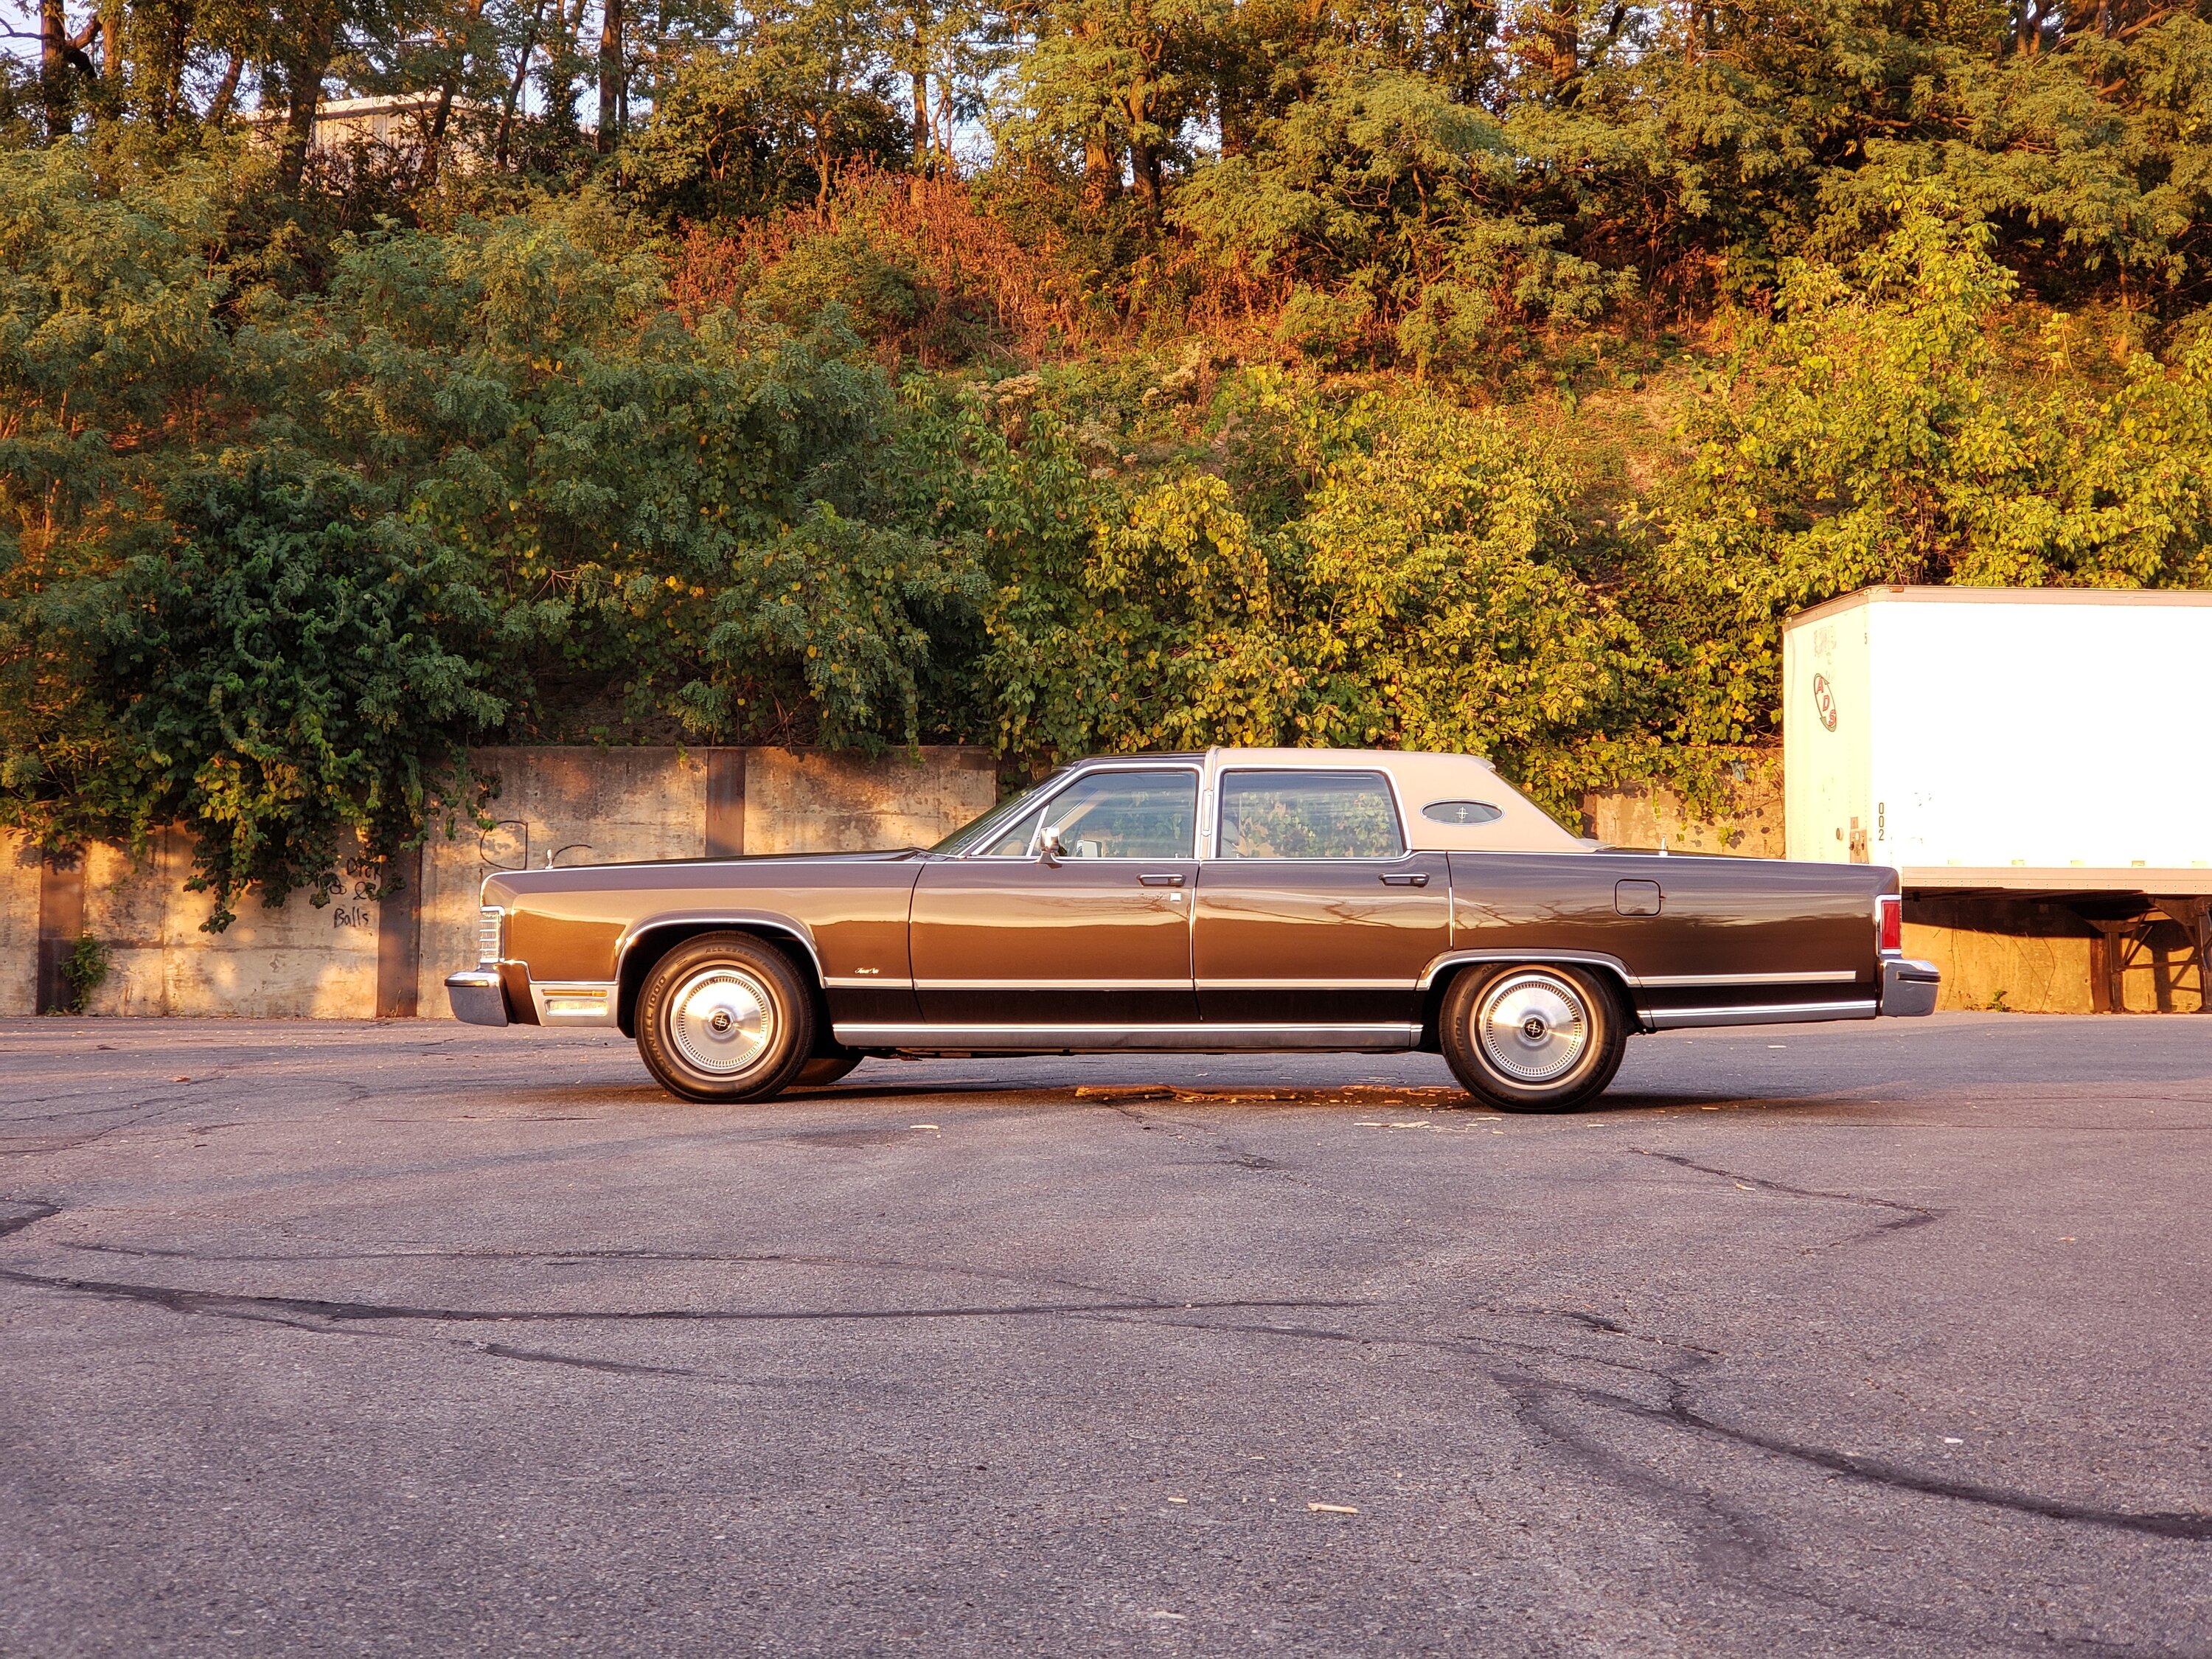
x,y
1311,910
1097,935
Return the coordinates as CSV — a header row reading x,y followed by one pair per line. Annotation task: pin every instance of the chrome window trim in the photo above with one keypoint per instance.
x,y
1089,769
1213,855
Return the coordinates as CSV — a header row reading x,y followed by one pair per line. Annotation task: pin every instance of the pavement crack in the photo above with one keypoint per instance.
x,y
33,1211
178,1299
1906,1216
579,1362
1678,1411
557,1258
2188,1525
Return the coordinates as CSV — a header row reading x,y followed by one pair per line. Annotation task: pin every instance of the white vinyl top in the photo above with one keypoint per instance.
x,y
1424,780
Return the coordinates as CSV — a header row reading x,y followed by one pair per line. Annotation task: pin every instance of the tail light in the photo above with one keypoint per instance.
x,y
1889,925
491,934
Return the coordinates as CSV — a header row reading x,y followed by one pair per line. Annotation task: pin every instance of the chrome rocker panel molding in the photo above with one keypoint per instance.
x,y
477,997
1388,1037
1764,1014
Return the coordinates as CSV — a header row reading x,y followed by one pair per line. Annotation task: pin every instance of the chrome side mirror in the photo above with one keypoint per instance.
x,y
1048,846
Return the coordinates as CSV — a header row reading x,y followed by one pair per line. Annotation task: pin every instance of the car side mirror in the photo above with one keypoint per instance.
x,y
1049,847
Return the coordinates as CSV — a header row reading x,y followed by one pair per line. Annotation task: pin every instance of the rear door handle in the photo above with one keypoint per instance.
x,y
1417,879
1169,879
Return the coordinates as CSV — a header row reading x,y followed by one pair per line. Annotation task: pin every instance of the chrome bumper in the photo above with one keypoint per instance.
x,y
1909,987
477,997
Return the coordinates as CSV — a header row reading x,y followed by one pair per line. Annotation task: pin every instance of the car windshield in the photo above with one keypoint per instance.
x,y
978,831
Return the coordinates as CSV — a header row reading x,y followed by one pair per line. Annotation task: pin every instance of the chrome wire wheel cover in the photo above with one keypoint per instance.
x,y
1533,1027
721,1019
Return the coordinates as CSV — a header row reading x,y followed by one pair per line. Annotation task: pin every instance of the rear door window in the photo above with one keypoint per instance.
x,y
1309,814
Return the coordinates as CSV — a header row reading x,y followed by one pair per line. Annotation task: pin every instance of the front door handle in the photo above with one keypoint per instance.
x,y
1419,878
1165,878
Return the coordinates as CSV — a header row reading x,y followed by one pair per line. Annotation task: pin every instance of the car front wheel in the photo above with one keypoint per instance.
x,y
725,1017
1527,1037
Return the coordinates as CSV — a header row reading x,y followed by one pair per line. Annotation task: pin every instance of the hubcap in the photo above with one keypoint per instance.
x,y
1533,1027
721,1019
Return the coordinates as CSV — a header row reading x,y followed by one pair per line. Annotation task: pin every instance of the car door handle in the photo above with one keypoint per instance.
x,y
1165,878
1419,878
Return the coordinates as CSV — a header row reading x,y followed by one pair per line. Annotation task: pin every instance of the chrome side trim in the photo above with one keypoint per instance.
x,y
1821,976
573,1001
1287,984
866,982
1044,984
476,998
1529,954
1106,1039
1764,1014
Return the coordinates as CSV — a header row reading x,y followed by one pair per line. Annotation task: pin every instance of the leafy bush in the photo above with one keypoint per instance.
x,y
85,969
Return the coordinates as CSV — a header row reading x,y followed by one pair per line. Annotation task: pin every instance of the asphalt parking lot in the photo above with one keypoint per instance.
x,y
1847,1339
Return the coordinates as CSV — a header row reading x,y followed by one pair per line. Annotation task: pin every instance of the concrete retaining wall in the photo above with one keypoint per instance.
x,y
19,926
1748,822
356,958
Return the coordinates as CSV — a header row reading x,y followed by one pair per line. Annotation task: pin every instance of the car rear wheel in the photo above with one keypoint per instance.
x,y
725,1017
1529,1037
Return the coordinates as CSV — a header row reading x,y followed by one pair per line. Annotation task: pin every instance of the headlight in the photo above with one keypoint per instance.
x,y
491,934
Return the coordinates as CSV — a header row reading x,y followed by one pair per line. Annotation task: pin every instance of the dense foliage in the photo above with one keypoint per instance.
x,y
1074,375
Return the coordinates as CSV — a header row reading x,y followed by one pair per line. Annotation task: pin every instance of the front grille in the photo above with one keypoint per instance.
x,y
491,934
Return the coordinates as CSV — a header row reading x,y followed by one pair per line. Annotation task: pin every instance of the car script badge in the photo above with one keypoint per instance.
x,y
1824,701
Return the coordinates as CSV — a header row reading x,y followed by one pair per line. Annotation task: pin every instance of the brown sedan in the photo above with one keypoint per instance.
x,y
1278,899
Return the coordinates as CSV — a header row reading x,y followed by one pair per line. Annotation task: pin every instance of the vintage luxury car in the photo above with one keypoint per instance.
x,y
1268,899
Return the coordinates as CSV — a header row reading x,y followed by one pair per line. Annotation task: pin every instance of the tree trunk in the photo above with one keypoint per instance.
x,y
611,74
1144,165
515,87
433,142
920,80
178,43
53,69
303,94
219,107
1102,173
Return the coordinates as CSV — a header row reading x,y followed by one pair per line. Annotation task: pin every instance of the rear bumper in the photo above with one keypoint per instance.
x,y
477,996
1909,987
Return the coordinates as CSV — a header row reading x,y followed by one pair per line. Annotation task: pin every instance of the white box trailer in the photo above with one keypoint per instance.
x,y
2027,742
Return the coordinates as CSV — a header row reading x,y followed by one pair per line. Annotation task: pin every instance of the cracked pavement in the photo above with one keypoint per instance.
x,y
1860,1339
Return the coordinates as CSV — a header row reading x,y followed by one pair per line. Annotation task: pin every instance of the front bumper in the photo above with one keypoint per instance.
x,y
1909,987
477,996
